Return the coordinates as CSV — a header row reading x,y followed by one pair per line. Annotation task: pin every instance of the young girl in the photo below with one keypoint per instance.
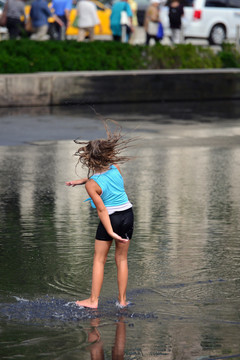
x,y
106,190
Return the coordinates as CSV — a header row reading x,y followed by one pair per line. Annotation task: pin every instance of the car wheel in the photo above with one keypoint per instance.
x,y
217,35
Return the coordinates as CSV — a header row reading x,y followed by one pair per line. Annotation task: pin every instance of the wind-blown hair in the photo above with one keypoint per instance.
x,y
100,153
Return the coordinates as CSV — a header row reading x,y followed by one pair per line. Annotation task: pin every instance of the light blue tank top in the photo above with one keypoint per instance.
x,y
112,185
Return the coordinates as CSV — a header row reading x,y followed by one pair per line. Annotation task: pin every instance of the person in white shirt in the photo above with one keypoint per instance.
x,y
87,19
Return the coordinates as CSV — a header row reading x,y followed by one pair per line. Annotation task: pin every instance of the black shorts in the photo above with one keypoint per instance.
x,y
122,224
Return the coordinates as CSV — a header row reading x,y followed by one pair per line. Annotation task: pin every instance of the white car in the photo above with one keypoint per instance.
x,y
213,20
3,30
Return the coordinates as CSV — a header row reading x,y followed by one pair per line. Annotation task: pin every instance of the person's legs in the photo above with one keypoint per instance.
x,y
61,30
148,38
81,34
91,33
157,40
10,28
14,28
176,36
116,38
133,36
100,257
41,33
121,253
57,29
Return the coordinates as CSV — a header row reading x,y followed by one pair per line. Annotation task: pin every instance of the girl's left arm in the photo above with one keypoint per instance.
x,y
77,182
94,192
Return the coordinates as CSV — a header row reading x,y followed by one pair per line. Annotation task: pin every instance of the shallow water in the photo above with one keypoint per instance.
x,y
184,278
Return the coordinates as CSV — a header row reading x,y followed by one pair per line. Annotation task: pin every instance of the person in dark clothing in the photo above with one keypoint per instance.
x,y
175,19
15,10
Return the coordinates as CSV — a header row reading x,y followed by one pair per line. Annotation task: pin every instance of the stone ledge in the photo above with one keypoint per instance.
x,y
61,88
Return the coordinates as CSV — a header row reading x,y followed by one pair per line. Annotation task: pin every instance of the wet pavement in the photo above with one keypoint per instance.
x,y
184,256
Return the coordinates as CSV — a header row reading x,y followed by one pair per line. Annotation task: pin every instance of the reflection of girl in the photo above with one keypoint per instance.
x,y
96,344
106,190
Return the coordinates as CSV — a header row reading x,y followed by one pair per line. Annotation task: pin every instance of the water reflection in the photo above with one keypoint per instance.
x,y
183,260
97,343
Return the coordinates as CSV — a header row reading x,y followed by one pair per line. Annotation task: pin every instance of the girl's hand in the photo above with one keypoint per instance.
x,y
69,183
76,182
94,192
119,238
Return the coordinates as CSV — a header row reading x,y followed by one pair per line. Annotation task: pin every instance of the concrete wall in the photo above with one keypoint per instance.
x,y
43,89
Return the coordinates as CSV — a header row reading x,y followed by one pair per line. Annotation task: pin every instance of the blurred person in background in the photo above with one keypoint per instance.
x,y
151,21
87,19
15,11
134,6
62,9
39,15
115,21
175,19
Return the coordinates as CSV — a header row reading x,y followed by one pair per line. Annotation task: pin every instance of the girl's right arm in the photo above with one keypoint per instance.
x,y
94,192
77,182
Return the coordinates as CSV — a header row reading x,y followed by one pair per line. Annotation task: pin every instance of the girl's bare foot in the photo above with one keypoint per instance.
x,y
88,303
122,304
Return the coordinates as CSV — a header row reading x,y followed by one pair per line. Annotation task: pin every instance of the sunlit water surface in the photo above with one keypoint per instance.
x,y
184,275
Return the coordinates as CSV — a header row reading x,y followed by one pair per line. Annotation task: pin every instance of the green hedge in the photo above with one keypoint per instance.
x,y
26,56
229,56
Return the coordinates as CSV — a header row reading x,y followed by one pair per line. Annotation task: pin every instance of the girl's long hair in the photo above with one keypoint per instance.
x,y
100,153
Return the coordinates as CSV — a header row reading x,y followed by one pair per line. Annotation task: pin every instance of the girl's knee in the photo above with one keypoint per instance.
x,y
100,258
119,259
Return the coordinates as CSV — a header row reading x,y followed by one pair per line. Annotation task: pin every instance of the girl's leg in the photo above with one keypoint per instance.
x,y
99,260
121,253
120,341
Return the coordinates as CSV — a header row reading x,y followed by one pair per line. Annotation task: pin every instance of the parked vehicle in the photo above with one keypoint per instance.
x,y
3,30
213,20
104,13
